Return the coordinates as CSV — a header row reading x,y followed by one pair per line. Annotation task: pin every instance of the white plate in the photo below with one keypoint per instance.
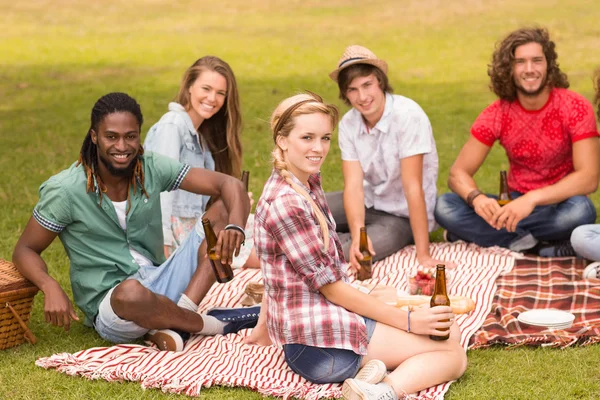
x,y
549,318
553,327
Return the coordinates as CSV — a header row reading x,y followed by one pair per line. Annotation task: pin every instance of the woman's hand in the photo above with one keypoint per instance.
x,y
429,320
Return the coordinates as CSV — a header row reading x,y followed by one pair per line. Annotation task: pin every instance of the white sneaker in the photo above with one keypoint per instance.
x,y
592,271
373,372
354,389
165,339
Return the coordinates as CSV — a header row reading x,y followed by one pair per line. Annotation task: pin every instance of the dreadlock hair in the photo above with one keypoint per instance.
x,y
282,123
222,130
109,104
597,87
500,70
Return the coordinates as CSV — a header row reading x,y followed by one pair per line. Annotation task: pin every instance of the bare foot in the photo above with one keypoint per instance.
x,y
259,337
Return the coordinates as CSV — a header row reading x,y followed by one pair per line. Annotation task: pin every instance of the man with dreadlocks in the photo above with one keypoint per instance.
x,y
550,137
105,209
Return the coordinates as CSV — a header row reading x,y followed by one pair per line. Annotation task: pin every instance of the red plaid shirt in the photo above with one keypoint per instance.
x,y
289,243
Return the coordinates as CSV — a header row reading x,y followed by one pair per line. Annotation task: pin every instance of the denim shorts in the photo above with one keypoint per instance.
x,y
169,279
325,365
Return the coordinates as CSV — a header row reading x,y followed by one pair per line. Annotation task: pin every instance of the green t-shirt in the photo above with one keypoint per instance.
x,y
97,246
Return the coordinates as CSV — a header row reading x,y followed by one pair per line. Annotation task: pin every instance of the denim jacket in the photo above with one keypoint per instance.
x,y
174,135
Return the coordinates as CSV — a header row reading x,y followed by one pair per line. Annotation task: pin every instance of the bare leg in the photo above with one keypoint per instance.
x,y
260,334
252,261
133,302
417,361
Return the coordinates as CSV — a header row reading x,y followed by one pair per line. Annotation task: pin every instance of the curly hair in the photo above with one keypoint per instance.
x,y
597,87
500,70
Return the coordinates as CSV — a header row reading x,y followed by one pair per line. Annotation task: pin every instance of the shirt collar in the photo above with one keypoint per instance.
x,y
383,125
178,108
314,181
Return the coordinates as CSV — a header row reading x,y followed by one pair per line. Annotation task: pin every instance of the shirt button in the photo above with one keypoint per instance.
x,y
133,261
145,200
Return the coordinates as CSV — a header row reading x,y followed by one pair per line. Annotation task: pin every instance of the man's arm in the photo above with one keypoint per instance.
x,y
461,181
58,309
582,181
354,206
412,182
235,199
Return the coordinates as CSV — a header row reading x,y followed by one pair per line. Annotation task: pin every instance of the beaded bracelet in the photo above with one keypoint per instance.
x,y
239,229
408,330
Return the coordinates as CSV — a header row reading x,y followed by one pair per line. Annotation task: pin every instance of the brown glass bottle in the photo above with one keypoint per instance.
x,y
222,272
504,196
245,178
440,296
366,263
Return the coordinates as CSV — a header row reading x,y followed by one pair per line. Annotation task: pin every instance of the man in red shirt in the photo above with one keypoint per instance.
x,y
550,137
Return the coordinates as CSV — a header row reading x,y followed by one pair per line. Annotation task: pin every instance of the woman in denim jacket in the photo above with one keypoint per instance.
x,y
201,129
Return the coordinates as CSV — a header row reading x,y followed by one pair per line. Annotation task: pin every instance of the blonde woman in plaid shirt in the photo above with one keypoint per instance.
x,y
329,329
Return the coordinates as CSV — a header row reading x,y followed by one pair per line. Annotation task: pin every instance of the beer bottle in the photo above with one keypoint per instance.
x,y
504,197
222,272
440,296
367,262
245,177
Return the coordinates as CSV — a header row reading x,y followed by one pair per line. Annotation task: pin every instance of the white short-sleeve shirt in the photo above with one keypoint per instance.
x,y
403,131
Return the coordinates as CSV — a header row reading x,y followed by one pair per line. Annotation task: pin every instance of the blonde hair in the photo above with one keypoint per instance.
x,y
282,123
222,130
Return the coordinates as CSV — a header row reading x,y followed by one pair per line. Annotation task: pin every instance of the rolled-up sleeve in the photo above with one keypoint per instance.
x,y
293,226
53,210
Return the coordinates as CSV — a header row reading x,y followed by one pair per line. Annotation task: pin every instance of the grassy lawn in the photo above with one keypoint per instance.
x,y
58,57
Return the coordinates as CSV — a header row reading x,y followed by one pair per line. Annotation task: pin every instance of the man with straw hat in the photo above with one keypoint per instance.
x,y
389,162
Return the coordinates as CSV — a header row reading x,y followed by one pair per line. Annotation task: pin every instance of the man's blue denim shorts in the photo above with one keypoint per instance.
x,y
169,279
325,365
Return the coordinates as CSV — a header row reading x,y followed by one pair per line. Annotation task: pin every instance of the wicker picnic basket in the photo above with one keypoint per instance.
x,y
16,299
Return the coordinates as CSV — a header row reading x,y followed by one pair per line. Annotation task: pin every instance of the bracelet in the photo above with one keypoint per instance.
x,y
472,195
408,330
239,229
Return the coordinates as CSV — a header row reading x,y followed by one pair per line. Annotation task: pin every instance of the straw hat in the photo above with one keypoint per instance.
x,y
358,55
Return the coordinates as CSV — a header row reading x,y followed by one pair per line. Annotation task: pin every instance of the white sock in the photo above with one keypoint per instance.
x,y
185,302
212,326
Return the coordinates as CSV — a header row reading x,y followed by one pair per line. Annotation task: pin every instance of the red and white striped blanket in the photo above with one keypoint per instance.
x,y
538,283
226,360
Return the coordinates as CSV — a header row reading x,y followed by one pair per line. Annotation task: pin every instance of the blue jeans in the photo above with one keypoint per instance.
x,y
169,279
545,223
325,365
585,240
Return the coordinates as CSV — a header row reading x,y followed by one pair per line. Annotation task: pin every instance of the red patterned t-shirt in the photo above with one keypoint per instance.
x,y
539,144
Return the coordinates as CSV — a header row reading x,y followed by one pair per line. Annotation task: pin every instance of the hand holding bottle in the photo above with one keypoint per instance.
x,y
356,256
432,321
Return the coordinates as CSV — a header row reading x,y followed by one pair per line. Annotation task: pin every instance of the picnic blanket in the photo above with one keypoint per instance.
x,y
542,283
226,360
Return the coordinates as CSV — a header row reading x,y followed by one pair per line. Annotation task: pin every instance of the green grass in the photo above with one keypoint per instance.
x,y
59,57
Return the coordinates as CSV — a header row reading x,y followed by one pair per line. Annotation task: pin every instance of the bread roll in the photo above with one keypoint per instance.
x,y
459,304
